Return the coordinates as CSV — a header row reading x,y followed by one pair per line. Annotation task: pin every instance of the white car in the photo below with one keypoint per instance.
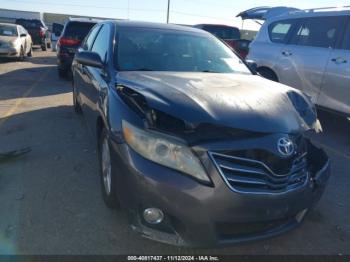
x,y
308,50
15,41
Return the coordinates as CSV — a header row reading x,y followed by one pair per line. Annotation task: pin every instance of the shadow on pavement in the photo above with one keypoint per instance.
x,y
43,80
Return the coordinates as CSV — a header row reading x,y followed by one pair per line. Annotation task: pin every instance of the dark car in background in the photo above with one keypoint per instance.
x,y
198,149
74,32
38,31
231,35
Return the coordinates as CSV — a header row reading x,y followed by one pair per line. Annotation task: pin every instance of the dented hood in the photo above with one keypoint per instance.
x,y
238,101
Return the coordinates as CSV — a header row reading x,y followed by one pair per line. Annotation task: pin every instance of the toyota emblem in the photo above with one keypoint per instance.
x,y
285,146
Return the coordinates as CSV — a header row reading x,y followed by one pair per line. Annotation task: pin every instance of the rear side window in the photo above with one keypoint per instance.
x,y
77,30
318,32
279,31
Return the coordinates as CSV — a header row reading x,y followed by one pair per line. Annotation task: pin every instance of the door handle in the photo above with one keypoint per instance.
x,y
339,60
287,53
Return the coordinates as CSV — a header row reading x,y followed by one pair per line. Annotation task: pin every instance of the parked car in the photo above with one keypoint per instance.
x,y
15,41
74,32
38,31
308,50
231,35
196,148
55,35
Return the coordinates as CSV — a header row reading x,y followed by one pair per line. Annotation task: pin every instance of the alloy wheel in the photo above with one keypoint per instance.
x,y
106,166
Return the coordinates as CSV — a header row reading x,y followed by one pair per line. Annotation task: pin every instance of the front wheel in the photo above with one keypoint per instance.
x,y
44,45
76,105
62,73
21,54
30,53
107,172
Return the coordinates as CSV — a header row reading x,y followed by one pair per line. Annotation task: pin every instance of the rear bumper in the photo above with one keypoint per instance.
x,y
202,215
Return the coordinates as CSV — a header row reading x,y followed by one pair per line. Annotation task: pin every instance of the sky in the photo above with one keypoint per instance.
x,y
181,11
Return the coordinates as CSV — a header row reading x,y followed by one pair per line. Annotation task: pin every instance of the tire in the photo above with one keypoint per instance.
x,y
30,53
21,54
268,74
107,172
76,105
62,73
44,45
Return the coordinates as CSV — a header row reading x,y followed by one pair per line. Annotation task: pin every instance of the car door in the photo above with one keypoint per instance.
x,y
28,40
268,53
96,83
335,92
81,79
21,33
304,59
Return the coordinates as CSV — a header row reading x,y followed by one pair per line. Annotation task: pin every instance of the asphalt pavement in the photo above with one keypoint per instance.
x,y
50,199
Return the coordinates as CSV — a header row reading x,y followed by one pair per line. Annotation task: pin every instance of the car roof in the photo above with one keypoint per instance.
x,y
218,25
84,20
317,12
150,25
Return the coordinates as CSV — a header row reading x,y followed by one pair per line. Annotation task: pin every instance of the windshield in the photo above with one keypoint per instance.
x,y
158,50
223,32
7,30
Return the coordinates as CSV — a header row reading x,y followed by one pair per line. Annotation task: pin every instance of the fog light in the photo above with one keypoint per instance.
x,y
153,215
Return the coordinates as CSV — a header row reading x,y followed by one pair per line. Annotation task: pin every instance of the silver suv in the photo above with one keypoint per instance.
x,y
308,50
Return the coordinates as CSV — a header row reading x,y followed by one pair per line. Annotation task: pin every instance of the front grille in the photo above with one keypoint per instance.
x,y
254,176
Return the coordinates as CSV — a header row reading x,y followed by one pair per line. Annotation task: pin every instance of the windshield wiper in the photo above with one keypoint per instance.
x,y
209,71
140,69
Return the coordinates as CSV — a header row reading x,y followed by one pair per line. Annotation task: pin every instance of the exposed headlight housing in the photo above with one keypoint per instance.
x,y
164,150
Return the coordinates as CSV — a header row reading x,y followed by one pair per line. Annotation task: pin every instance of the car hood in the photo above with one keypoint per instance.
x,y
239,101
7,39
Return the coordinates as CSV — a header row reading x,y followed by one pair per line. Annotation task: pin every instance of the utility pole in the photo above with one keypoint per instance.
x,y
168,12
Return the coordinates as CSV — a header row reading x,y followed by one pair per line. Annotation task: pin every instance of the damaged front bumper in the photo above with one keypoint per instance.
x,y
221,213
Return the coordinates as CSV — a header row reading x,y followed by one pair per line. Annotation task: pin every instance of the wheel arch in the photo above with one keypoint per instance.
x,y
270,70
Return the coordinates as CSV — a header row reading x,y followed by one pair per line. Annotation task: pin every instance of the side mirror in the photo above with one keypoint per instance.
x,y
89,59
252,66
23,35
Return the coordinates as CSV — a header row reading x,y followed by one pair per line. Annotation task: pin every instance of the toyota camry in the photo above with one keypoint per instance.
x,y
196,148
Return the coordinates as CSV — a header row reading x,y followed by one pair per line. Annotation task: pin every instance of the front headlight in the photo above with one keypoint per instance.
x,y
164,151
13,43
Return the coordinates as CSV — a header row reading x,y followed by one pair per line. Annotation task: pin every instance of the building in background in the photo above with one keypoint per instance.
x,y
10,16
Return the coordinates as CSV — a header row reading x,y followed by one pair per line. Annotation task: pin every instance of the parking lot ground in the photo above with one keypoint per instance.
x,y
50,200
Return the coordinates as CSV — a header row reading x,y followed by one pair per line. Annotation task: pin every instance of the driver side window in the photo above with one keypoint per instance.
x,y
101,43
91,38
